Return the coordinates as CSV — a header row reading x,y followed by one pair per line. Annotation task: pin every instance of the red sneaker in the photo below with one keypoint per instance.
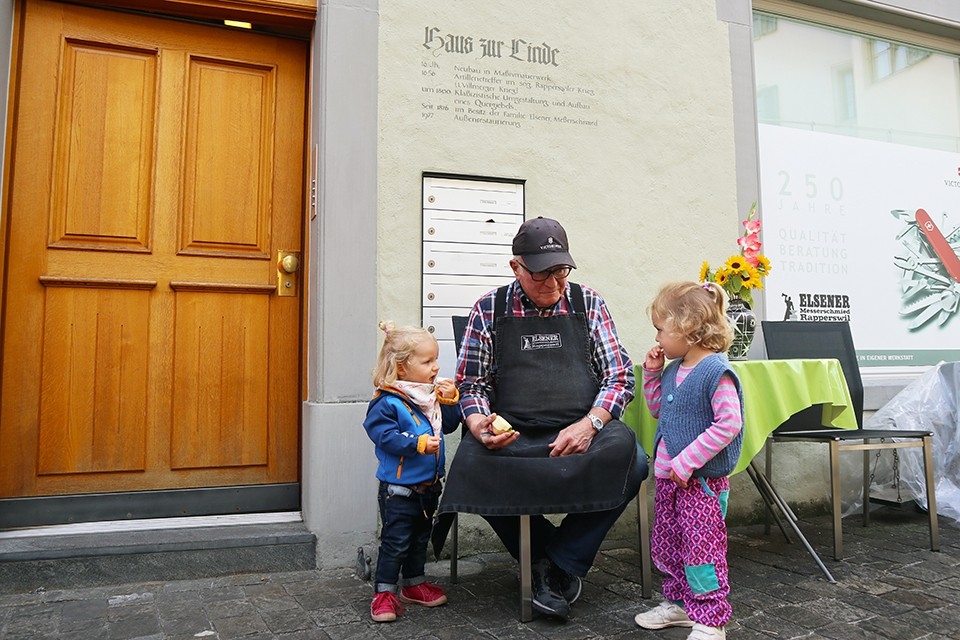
x,y
385,607
429,595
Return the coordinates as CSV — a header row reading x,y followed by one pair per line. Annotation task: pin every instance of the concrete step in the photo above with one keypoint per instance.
x,y
162,550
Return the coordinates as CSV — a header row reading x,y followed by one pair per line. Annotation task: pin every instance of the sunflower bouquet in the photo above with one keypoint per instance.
x,y
742,272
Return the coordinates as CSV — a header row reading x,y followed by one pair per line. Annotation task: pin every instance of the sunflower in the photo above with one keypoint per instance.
x,y
704,271
735,263
763,264
750,278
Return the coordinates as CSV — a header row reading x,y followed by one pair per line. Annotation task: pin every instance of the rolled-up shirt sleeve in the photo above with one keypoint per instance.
x,y
475,361
610,359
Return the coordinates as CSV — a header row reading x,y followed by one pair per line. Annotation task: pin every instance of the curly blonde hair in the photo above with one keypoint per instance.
x,y
694,312
398,344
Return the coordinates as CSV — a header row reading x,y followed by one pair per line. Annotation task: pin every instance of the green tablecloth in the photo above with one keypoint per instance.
x,y
773,390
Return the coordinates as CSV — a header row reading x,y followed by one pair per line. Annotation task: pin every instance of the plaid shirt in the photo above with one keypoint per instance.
x,y
475,366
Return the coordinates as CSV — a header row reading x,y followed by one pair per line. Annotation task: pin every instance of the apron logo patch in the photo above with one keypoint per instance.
x,y
535,341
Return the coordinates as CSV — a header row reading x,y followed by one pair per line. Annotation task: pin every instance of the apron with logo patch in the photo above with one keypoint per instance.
x,y
544,382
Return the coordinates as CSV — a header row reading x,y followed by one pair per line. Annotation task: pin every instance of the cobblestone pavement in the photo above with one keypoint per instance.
x,y
890,585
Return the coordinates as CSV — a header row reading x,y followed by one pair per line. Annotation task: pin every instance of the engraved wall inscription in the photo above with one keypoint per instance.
x,y
508,82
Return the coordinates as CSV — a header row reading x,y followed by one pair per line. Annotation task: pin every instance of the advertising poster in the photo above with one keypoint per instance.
x,y
865,231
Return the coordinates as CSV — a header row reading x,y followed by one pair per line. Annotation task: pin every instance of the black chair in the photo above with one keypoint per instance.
x,y
816,340
459,328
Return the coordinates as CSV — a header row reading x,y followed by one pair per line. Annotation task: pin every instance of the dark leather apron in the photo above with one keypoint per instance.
x,y
544,382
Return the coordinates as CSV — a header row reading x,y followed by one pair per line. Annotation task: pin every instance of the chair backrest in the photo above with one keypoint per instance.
x,y
459,328
792,339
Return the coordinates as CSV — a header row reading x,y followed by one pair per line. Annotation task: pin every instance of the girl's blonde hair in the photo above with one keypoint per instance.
x,y
695,312
398,344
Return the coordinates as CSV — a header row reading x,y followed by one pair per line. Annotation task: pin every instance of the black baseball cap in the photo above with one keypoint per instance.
x,y
542,243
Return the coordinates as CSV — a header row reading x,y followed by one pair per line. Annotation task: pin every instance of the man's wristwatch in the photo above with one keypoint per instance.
x,y
595,421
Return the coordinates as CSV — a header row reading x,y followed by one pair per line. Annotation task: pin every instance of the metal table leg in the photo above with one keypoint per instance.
x,y
769,501
764,486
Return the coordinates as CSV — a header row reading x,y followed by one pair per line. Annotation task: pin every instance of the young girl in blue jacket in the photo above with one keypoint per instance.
x,y
410,411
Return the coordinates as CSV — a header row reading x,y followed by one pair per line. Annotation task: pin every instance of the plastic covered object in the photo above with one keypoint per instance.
x,y
929,403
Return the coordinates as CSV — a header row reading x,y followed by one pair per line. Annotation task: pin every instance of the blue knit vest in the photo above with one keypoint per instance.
x,y
687,411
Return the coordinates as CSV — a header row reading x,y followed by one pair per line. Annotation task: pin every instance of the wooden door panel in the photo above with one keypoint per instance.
x,y
228,157
93,392
220,407
144,347
105,140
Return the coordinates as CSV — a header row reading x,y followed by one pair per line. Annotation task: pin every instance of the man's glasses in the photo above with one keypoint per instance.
x,y
539,276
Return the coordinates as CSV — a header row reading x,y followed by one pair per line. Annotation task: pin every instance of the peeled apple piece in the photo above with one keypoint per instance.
x,y
501,426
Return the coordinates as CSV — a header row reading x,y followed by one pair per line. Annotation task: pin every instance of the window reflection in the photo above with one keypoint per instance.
x,y
825,79
890,57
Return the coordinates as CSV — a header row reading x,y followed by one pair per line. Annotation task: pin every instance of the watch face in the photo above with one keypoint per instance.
x,y
596,422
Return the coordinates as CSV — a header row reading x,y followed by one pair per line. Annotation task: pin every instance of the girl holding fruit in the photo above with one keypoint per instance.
x,y
410,411
698,403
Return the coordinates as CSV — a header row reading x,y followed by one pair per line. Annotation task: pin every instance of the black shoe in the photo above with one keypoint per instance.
x,y
569,585
546,595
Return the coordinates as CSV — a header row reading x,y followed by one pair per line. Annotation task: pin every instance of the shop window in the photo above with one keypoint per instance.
x,y
826,79
859,144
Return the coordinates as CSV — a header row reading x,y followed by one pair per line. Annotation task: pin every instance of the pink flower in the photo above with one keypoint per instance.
x,y
751,255
752,226
749,243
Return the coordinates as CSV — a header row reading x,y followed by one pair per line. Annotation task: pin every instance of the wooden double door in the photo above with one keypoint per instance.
x,y
150,339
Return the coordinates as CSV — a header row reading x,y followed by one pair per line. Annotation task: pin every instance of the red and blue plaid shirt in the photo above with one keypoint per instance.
x,y
475,366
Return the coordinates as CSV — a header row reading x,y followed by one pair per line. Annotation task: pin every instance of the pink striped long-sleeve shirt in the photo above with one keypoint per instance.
x,y
721,432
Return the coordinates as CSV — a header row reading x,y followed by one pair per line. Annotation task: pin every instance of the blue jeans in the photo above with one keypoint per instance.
x,y
574,544
405,528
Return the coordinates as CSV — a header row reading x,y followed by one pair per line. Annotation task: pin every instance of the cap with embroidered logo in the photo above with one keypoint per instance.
x,y
542,243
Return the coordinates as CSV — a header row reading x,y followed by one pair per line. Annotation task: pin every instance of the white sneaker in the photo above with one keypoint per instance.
x,y
664,615
702,632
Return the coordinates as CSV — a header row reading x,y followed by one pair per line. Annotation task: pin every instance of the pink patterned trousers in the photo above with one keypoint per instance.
x,y
689,547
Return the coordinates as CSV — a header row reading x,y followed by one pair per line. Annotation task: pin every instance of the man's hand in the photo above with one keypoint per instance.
x,y
481,427
575,438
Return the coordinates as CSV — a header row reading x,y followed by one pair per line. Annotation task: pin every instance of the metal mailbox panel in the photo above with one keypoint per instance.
x,y
457,292
468,229
459,194
455,258
470,226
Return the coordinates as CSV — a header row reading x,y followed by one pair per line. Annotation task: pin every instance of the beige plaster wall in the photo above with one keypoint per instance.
x,y
646,189
644,182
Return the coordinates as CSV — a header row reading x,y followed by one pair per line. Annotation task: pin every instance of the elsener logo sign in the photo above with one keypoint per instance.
x,y
540,341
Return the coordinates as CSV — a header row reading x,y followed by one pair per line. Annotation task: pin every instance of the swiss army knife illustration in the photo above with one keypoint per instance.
x,y
931,270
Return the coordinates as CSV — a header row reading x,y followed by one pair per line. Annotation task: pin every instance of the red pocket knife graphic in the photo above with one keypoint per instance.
x,y
940,245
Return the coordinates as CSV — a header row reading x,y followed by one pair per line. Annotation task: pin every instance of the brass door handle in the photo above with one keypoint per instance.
x,y
288,263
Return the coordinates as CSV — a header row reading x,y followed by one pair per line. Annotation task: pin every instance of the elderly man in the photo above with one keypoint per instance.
x,y
543,353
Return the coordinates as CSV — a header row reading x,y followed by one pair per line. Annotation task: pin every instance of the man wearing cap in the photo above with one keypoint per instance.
x,y
543,353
